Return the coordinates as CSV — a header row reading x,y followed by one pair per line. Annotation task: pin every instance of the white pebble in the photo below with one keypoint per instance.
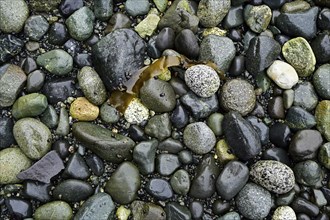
x,y
283,74
284,213
136,112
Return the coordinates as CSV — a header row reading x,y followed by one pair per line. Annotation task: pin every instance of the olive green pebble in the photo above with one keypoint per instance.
x,y
109,114
29,105
322,115
215,123
295,6
12,162
321,81
13,14
324,155
161,4
49,117
257,17
223,153
57,62
56,210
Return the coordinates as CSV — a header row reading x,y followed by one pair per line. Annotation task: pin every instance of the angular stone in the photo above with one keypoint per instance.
x,y
56,61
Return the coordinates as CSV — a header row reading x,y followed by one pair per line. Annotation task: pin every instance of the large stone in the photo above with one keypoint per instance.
x,y
56,61
211,12
59,209
29,105
283,74
257,17
13,14
118,56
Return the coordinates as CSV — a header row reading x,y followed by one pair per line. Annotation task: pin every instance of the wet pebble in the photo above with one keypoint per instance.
x,y
103,9
308,173
29,105
6,132
166,164
165,39
257,17
13,15
175,210
321,81
95,164
298,118
284,213
19,208
67,7
159,188
144,155
72,190
37,191
109,114
322,115
276,108
58,90
36,27
279,134
59,210
135,8
82,110
187,43
301,205
63,127
58,34
305,96
76,168
10,46
180,182
179,117
35,81
57,62
283,74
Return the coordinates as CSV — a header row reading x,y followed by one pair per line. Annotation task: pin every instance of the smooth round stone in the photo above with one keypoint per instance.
x,y
187,43
33,137
237,66
103,9
167,164
300,55
288,96
284,212
298,118
257,17
12,81
277,154
283,74
276,108
35,81
232,179
203,184
59,210
73,190
305,144
202,80
155,53
6,132
185,157
230,216
273,175
13,14
57,62
196,208
137,133
303,206
29,105
220,207
324,155
219,50
211,13
76,168
180,182
136,112
80,24
174,210
308,173
62,148
67,7
322,115
58,34
143,210
305,96
98,206
109,114
292,7
159,188
12,162
92,85
19,208
82,59
179,86
199,138
96,164
124,183
36,27
165,39
223,152
137,7
158,95
261,128
144,155
238,95
148,25
234,17
82,110
279,135
323,20
321,81
170,145
58,90
118,21
214,122
159,127
253,201
179,117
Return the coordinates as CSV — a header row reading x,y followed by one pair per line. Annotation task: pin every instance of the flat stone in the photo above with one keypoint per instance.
x,y
148,25
29,105
72,190
324,155
57,62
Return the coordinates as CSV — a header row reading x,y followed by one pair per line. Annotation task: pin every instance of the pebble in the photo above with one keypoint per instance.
x,y
12,162
238,95
82,110
13,14
320,46
109,114
276,108
144,155
92,85
243,140
321,81
76,168
202,80
167,164
199,138
123,213
98,206
257,17
261,53
284,213
67,7
148,25
273,175
29,105
185,157
158,95
174,210
44,169
179,117
161,4
124,183
308,173
58,34
214,121
283,74
136,112
220,50
292,7
305,144
118,21
37,191
6,132
12,81
324,155
33,137
277,154
59,210
298,118
299,54
165,39
144,210
253,201
301,205
200,107
186,43
159,188
63,127
109,146
180,182
322,115
35,81
58,90
95,164
81,23
103,9
72,190
36,27
44,5
237,66
19,208
159,127
196,209
261,128
232,179
139,7
211,13
203,184
10,46
223,152
305,96
234,18
230,216
298,24
57,62
62,148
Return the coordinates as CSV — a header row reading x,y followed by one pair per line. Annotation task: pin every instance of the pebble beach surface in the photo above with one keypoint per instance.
x,y
165,110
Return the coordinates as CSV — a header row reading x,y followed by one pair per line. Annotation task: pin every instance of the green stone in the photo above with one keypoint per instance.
x,y
12,162
29,105
308,173
63,127
180,182
54,211
257,17
49,117
161,4
147,211
159,127
299,54
56,61
295,6
211,13
324,155
322,115
44,5
147,26
13,14
215,123
109,114
321,81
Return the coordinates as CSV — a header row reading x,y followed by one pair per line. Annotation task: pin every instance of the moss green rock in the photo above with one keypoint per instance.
x,y
13,14
56,61
33,137
324,155
299,54
81,23
322,115
161,4
54,211
212,12
148,25
257,17
44,5
295,6
29,105
12,162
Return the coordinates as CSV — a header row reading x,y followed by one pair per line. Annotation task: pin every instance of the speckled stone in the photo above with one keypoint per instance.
x,y
273,175
284,213
202,80
13,14
211,13
136,112
322,115
257,17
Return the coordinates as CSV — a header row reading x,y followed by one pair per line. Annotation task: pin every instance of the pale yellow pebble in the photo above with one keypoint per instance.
x,y
82,110
123,213
222,152
215,31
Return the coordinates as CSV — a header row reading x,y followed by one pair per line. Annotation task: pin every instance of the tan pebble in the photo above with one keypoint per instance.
x,y
82,110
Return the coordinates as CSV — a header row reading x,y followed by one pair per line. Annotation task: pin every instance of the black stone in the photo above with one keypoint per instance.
x,y
235,35
323,20
160,189
186,43
6,132
321,48
179,86
298,118
300,205
302,216
237,66
165,39
72,190
281,39
322,216
9,47
179,117
35,81
278,154
260,127
196,208
58,90
279,135
83,59
96,164
219,207
58,34
37,190
28,65
62,148
137,133
67,7
152,49
19,208
176,211
76,168
276,108
167,164
72,47
240,136
274,4
170,145
44,169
